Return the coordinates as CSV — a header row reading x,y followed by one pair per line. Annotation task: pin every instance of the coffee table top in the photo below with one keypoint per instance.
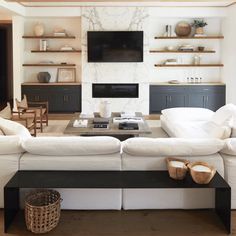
x,y
113,128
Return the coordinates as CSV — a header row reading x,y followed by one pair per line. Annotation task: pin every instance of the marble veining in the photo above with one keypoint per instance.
x,y
117,19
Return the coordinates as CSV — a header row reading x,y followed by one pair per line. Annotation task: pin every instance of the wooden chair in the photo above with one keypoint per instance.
x,y
28,119
40,108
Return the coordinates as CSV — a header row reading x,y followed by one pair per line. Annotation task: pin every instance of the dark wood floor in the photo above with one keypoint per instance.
x,y
131,223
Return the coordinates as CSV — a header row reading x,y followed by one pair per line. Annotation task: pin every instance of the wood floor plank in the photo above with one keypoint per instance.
x,y
131,223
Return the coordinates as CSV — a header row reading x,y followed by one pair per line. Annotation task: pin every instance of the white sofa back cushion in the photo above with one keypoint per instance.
x,y
10,145
224,115
13,128
171,146
230,146
72,146
188,114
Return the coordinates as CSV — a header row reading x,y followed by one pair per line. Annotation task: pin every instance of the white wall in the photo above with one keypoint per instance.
x,y
229,54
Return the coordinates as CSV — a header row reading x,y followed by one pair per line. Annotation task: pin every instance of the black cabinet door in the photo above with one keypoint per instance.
x,y
176,100
158,102
214,101
196,100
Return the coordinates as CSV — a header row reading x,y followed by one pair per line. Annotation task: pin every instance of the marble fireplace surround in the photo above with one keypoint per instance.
x,y
115,19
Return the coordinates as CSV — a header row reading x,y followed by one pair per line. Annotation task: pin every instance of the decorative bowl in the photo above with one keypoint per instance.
x,y
201,172
177,168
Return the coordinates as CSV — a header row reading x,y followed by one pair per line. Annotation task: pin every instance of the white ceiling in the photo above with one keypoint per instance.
x,y
61,3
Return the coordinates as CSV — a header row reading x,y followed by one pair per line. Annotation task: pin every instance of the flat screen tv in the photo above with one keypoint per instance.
x,y
115,46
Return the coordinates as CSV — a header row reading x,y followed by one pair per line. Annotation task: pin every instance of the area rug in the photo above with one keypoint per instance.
x,y
57,127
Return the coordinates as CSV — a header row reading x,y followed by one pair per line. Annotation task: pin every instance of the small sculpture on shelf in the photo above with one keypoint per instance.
x,y
39,29
183,29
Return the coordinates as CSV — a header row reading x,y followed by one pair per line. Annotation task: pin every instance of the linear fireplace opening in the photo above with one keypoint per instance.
x,y
115,90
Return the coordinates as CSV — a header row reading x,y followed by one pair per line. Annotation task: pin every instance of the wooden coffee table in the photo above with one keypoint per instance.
x,y
113,129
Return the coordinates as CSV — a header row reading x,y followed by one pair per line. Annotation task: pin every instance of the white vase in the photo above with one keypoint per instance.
x,y
39,29
105,109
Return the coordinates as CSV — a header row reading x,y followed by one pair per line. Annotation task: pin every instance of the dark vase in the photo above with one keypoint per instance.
x,y
43,77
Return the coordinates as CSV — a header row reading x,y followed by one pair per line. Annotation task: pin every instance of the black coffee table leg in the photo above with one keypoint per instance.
x,y
223,206
11,206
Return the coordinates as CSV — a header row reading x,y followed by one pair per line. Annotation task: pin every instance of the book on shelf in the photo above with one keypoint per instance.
x,y
128,126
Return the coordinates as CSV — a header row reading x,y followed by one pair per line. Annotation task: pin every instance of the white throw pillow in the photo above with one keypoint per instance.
x,y
171,146
1,132
10,145
13,128
224,115
230,146
6,112
72,146
188,114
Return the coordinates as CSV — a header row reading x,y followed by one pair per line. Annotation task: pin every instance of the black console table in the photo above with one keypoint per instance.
x,y
110,179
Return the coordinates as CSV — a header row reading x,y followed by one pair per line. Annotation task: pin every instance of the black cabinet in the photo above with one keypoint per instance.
x,y
205,96
61,98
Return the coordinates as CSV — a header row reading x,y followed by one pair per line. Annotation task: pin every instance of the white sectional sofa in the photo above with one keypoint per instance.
x,y
107,153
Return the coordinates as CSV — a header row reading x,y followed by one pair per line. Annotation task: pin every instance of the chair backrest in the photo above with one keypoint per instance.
x,y
6,112
23,104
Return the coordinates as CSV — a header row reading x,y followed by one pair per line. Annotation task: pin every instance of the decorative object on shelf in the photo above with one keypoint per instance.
x,y
59,32
44,77
168,31
66,48
43,45
170,48
65,75
171,62
105,109
197,60
201,172
201,48
39,29
80,123
177,168
186,48
174,81
199,27
183,29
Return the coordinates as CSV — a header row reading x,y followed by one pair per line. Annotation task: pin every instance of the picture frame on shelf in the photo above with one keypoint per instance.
x,y
66,75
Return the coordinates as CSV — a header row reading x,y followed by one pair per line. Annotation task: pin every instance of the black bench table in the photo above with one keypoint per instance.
x,y
110,179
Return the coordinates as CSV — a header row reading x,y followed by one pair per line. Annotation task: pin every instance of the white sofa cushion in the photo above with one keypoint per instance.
x,y
171,146
224,115
194,129
230,146
72,146
187,114
13,128
10,145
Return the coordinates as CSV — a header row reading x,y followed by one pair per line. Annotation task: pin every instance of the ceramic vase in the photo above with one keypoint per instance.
x,y
44,77
39,29
199,30
105,109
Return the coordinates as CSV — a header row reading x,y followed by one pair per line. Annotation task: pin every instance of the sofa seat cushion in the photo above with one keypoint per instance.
x,y
194,129
188,114
171,146
98,162
13,128
230,146
10,145
72,146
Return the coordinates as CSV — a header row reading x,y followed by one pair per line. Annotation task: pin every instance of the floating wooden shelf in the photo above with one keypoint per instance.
x,y
204,37
47,37
56,51
50,84
166,51
189,65
58,65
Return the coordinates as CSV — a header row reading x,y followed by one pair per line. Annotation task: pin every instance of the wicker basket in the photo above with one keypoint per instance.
x,y
202,177
42,211
177,173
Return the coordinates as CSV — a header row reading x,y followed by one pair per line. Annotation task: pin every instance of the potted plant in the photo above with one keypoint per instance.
x,y
199,25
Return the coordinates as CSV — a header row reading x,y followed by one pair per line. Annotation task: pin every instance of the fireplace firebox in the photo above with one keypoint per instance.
x,y
115,90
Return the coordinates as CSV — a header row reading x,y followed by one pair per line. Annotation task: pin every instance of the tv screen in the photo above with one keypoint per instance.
x,y
115,46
